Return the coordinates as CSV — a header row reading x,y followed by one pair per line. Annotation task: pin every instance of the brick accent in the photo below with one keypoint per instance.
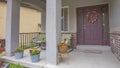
x,y
115,44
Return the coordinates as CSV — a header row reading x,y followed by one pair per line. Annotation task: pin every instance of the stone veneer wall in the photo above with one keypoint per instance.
x,y
115,43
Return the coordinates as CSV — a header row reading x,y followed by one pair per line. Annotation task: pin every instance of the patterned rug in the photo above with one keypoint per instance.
x,y
93,51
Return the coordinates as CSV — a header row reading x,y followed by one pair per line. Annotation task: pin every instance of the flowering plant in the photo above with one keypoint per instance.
x,y
19,50
34,51
1,64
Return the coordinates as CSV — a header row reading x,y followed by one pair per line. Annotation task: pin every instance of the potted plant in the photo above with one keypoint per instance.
x,y
35,55
19,53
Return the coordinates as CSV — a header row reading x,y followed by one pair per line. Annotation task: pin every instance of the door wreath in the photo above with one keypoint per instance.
x,y
92,16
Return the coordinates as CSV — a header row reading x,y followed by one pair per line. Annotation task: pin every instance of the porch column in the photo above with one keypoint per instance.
x,y
12,26
114,15
43,21
53,29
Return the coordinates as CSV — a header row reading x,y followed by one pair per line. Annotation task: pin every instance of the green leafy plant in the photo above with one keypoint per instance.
x,y
19,50
12,65
24,47
34,51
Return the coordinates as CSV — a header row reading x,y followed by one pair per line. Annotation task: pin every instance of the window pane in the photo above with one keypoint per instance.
x,y
104,16
64,23
65,19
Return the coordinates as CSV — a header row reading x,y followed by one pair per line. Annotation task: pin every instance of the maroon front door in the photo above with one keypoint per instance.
x,y
92,25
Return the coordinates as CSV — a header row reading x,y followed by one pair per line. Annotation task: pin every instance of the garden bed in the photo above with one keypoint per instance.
x,y
10,65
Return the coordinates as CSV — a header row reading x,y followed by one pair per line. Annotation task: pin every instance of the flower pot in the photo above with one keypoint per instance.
x,y
35,58
19,55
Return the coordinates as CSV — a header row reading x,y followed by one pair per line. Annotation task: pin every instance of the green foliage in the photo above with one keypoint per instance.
x,y
34,45
34,52
12,65
19,50
25,47
42,37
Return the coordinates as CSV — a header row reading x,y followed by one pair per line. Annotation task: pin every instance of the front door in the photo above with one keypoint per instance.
x,y
92,25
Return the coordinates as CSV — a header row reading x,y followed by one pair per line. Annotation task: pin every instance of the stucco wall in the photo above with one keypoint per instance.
x,y
73,4
29,20
115,15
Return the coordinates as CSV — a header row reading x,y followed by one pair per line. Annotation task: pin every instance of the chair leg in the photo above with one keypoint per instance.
x,y
66,56
60,58
68,59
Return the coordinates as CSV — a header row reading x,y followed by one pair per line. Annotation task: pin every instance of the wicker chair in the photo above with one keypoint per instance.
x,y
40,40
62,50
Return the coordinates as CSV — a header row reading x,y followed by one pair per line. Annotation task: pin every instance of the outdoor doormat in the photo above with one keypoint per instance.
x,y
93,51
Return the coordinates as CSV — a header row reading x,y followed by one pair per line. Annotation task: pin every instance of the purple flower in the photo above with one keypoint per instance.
x,y
1,64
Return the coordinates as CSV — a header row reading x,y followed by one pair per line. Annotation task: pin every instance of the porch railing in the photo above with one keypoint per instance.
x,y
25,39
2,42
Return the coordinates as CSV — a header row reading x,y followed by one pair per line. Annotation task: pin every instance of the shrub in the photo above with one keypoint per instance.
x,y
12,65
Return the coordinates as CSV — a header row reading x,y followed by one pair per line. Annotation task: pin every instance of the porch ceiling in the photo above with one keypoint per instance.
x,y
40,5
36,4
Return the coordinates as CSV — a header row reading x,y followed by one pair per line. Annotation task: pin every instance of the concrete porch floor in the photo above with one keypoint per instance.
x,y
85,56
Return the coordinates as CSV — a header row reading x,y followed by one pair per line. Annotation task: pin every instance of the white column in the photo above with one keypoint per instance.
x,y
43,21
53,29
114,15
12,26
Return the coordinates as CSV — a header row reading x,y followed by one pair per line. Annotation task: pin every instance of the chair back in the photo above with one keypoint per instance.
x,y
42,37
62,48
66,37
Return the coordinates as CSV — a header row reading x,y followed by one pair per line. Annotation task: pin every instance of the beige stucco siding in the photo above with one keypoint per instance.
x,y
2,19
29,20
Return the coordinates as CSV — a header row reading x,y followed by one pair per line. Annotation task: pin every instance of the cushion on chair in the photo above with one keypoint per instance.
x,y
62,48
42,37
66,37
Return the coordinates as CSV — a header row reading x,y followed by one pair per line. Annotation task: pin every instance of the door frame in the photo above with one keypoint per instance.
x,y
107,20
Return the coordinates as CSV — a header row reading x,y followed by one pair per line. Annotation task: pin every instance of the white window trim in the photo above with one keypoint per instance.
x,y
68,18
